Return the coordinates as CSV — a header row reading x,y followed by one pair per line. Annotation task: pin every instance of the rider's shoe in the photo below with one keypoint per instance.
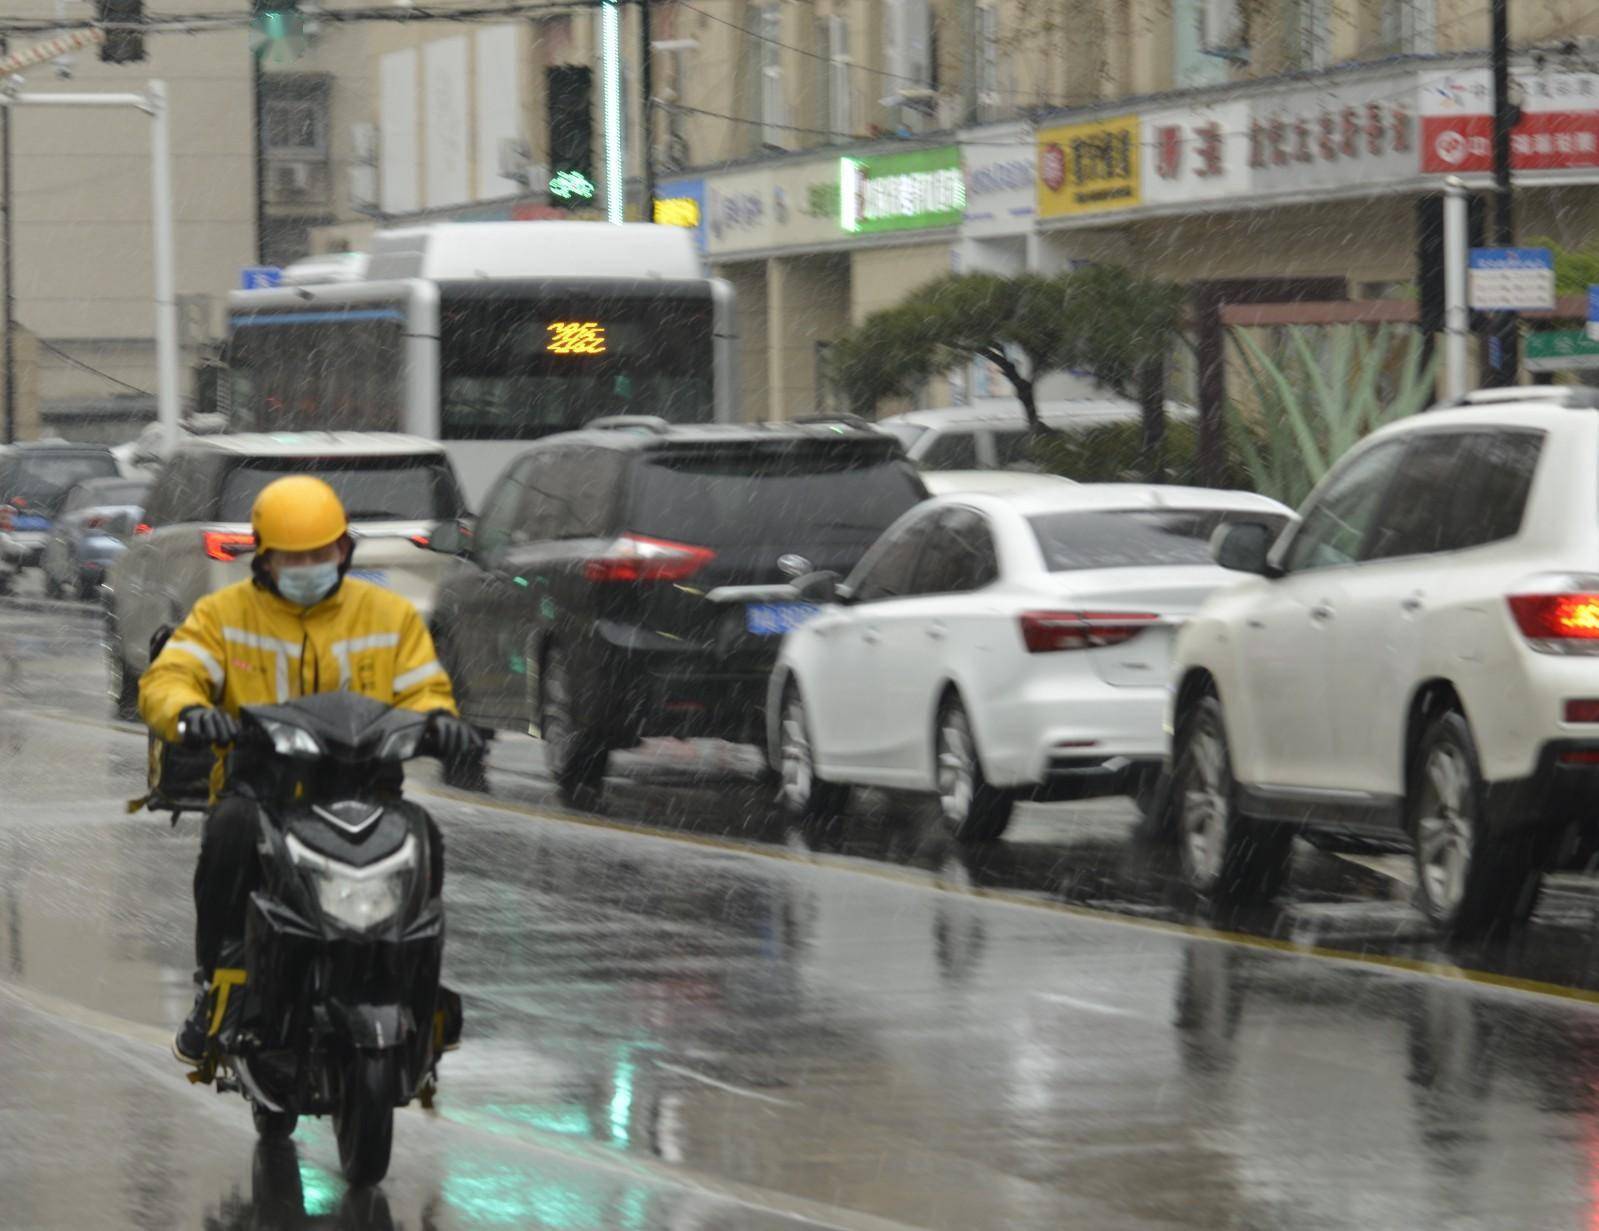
x,y
189,1045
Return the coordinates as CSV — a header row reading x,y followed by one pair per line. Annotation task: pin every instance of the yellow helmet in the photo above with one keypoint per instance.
x,y
297,513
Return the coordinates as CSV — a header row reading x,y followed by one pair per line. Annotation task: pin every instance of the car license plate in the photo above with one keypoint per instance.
x,y
31,522
775,619
376,576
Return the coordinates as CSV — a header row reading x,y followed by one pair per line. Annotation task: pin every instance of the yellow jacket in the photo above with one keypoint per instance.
x,y
244,645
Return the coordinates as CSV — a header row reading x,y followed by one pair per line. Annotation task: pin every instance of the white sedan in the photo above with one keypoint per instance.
x,y
993,647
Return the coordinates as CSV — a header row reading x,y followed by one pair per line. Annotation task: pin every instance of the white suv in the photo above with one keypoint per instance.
x,y
1417,662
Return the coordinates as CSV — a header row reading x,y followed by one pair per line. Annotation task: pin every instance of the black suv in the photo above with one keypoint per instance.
x,y
34,479
579,609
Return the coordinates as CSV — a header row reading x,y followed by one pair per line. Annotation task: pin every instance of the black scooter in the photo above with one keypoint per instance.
x,y
331,1005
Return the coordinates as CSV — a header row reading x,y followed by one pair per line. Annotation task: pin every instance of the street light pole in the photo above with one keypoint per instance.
x,y
7,231
1457,317
154,104
1506,326
646,55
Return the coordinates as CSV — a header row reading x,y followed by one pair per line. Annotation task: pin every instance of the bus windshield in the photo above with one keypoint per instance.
x,y
516,368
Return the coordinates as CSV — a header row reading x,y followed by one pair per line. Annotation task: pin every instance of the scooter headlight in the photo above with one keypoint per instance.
x,y
358,898
292,741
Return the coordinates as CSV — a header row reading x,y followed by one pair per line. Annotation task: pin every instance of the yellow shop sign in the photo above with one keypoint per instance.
x,y
1088,168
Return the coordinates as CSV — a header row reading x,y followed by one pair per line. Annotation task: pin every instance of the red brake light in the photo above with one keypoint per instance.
x,y
93,523
1044,632
142,529
421,540
1582,710
1560,618
226,546
633,557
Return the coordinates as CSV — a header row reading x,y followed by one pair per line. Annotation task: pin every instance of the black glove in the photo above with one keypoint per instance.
x,y
200,724
454,738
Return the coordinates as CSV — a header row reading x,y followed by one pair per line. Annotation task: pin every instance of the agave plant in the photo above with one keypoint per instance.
x,y
1310,406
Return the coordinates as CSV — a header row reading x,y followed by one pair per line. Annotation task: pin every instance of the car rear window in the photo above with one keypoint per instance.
x,y
771,496
110,494
42,479
1134,538
372,488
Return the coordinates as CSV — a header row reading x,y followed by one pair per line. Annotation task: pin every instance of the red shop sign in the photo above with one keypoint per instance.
x,y
1543,141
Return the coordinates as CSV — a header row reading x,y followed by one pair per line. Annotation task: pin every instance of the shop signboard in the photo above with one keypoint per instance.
x,y
901,192
764,209
1089,168
681,203
1196,154
1343,134
1559,129
1000,199
1510,279
1560,350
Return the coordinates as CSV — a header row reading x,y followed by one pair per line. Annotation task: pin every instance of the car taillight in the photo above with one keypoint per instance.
x,y
1566,623
1044,632
142,530
422,540
633,557
93,523
227,546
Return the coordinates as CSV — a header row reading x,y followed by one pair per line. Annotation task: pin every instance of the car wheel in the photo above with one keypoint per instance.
x,y
806,797
1225,856
575,754
979,812
1468,883
124,684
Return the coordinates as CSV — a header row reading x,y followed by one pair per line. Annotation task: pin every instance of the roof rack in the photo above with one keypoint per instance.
x,y
1572,397
630,423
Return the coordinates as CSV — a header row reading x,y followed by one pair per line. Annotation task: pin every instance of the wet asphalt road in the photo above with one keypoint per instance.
x,y
683,1015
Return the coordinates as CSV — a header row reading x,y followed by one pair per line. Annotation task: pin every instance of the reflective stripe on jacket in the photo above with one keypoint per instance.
x,y
244,645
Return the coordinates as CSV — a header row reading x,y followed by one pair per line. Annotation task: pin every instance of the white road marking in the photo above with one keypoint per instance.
x,y
722,1085
1090,1006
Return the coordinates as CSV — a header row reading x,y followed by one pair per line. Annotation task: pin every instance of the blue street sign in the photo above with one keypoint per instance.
x,y
1511,279
260,277
1593,313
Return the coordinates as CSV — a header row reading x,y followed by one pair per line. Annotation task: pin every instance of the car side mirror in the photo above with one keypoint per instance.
x,y
1244,547
451,538
818,587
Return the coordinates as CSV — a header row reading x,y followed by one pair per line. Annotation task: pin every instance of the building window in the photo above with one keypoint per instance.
x,y
294,116
1309,31
840,67
1410,27
773,119
1201,29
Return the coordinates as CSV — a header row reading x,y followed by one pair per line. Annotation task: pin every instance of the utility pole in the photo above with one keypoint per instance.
x,y
7,231
1457,317
1506,353
646,57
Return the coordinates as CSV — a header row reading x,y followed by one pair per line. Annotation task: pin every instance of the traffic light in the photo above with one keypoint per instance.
x,y
277,29
571,135
121,46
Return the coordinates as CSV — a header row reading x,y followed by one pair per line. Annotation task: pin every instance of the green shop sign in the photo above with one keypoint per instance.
x,y
1560,350
901,192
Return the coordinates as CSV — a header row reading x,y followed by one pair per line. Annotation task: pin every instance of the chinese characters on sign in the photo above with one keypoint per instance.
x,y
1195,154
1559,130
575,338
898,192
1089,168
1351,132
1510,279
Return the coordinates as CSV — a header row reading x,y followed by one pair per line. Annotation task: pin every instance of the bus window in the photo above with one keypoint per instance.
x,y
343,371
517,368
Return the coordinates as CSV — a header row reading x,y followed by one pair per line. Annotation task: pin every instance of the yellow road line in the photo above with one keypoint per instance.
x,y
1003,897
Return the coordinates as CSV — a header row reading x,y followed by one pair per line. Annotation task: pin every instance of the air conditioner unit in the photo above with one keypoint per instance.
x,y
1226,29
293,179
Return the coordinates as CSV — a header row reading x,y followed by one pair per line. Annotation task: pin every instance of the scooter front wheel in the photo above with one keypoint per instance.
x,y
273,1125
364,1119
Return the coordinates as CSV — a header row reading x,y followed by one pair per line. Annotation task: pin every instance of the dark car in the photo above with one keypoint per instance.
x,y
34,480
580,610
91,530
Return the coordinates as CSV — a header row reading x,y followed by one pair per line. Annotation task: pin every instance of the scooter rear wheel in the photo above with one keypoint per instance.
x,y
364,1120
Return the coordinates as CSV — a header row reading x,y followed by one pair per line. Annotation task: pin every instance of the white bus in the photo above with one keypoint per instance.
x,y
485,334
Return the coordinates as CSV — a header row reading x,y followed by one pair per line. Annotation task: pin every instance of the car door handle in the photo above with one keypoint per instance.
x,y
871,636
937,630
1321,613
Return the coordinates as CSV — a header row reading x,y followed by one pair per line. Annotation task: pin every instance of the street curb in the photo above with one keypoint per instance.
x,y
50,606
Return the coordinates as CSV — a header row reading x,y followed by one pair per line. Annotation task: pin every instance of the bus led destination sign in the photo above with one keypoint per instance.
x,y
576,338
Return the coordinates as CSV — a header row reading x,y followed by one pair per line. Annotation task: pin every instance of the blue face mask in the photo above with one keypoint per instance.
x,y
308,584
